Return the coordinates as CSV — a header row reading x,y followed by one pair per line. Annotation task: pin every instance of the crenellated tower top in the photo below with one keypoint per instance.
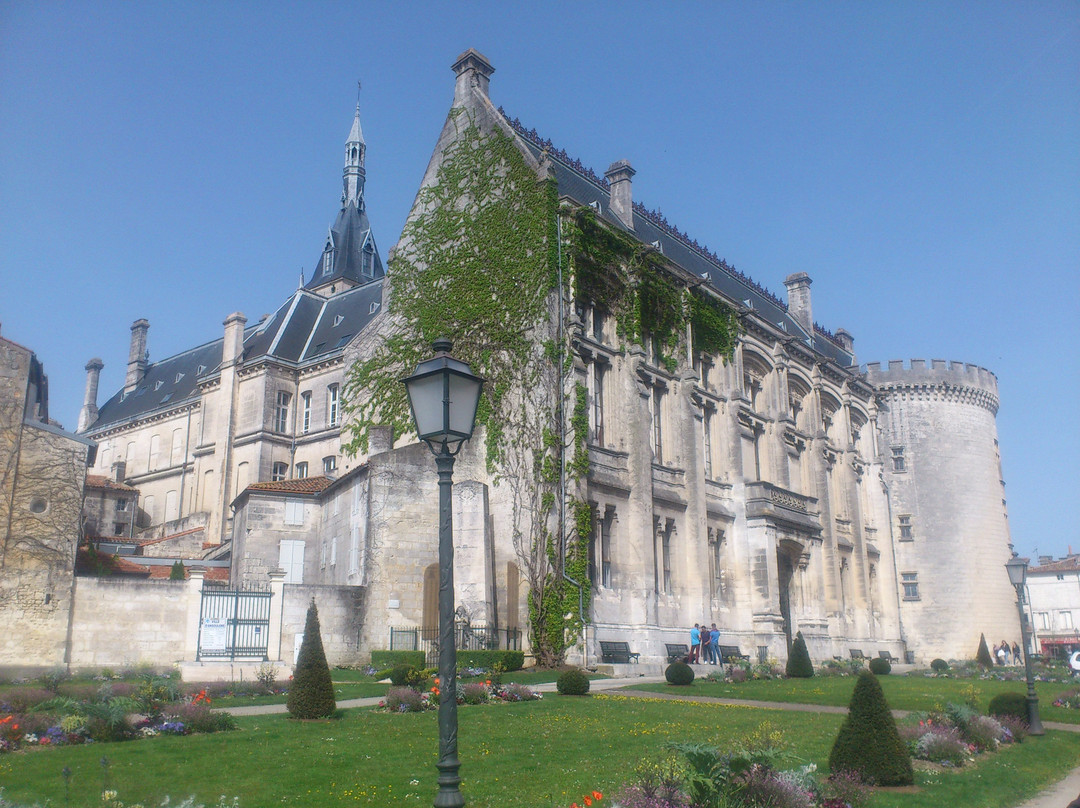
x,y
939,377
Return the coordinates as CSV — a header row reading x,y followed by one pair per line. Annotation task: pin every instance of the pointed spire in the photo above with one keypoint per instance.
x,y
354,160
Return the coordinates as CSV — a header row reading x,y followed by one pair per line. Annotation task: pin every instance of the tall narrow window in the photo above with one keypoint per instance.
x,y
665,549
281,414
906,533
707,448
176,454
332,404
605,545
910,580
597,324
155,452
598,404
329,464
594,546
328,260
305,410
898,462
657,425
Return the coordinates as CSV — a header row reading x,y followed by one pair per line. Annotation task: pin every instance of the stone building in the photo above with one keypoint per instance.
x,y
771,489
42,471
1054,605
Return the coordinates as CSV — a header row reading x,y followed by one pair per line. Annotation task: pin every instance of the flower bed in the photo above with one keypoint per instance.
x,y
954,736
411,700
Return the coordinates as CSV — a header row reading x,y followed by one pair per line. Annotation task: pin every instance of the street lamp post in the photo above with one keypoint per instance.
x,y
443,394
1017,568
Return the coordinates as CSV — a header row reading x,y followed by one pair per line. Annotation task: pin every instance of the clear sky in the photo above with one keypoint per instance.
x,y
921,161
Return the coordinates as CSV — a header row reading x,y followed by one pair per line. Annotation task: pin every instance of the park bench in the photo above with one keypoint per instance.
x,y
888,657
676,652
617,652
729,652
856,653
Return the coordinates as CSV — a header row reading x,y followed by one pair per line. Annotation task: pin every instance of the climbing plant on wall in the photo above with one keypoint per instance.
x,y
479,261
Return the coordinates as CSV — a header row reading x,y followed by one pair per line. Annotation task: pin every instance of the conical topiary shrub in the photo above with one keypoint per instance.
x,y
311,694
868,743
799,665
982,656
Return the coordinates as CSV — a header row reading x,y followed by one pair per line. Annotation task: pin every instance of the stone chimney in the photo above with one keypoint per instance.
x,y
233,349
622,200
473,70
798,300
136,368
847,342
119,469
89,412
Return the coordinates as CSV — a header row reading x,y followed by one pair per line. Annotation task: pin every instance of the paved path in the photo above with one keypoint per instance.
x,y
1057,796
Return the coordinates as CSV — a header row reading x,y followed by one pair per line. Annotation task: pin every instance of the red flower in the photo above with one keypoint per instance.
x,y
596,795
588,801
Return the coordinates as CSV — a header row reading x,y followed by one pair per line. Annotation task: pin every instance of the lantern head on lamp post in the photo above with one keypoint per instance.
x,y
1017,569
443,394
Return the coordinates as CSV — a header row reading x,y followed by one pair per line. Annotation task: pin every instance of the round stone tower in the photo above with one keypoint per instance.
x,y
937,438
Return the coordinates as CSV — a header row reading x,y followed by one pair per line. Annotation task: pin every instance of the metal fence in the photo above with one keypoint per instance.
x,y
468,637
234,623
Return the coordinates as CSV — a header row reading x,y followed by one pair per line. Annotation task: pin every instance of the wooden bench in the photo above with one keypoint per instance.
x,y
676,652
856,653
617,652
728,652
888,657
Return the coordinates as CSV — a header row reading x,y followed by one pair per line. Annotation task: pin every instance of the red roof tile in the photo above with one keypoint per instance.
x,y
308,485
1067,564
99,481
171,536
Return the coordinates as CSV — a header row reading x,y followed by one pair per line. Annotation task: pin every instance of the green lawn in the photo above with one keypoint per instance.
x,y
532,754
902,692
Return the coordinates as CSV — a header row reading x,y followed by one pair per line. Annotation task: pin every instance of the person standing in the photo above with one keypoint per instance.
x,y
1016,653
714,645
695,643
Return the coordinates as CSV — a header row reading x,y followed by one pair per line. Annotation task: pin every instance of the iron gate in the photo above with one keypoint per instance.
x,y
234,623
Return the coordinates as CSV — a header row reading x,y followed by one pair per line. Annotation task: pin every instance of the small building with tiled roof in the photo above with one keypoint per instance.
x,y
1053,587
110,505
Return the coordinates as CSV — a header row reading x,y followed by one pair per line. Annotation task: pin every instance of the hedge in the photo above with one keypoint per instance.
x,y
511,660
388,659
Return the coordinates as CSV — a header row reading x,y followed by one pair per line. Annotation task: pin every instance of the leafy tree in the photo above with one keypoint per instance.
x,y
799,665
982,656
311,694
868,743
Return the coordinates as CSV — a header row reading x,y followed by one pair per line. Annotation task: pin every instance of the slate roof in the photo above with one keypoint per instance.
x,y
348,236
584,186
305,328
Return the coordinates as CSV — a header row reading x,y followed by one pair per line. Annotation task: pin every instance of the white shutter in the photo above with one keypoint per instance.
x,y
291,559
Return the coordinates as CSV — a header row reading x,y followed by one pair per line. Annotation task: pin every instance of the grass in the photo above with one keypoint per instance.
x,y
535,754
902,692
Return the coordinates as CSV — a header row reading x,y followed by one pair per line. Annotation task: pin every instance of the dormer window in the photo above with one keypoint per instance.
x,y
338,319
374,307
328,260
367,264
179,376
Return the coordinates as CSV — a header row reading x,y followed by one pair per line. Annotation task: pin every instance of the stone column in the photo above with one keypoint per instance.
x,y
277,606
194,612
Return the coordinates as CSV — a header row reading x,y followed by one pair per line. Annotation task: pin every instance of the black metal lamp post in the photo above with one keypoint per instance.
x,y
1017,568
443,394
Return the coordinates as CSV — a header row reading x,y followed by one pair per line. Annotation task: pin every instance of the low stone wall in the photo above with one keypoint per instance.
x,y
118,622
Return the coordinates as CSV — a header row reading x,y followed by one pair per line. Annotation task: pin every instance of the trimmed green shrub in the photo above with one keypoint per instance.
x,y
939,665
311,694
176,573
679,673
799,665
880,667
982,656
401,674
1009,704
868,742
388,659
573,682
510,660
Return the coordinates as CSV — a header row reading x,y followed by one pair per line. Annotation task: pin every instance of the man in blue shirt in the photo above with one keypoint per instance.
x,y
695,643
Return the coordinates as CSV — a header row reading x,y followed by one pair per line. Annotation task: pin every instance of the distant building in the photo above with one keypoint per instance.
x,y
1054,605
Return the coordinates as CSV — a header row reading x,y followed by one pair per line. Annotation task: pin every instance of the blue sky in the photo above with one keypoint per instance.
x,y
921,161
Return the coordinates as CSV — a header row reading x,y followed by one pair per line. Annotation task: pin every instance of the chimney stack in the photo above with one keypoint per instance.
x,y
847,342
622,200
136,368
233,349
473,70
798,300
119,469
89,412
